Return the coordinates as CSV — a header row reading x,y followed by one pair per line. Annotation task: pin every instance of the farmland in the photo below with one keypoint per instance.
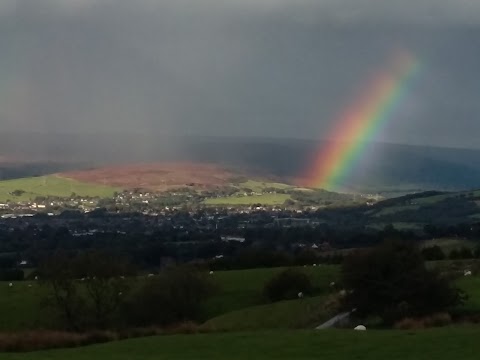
x,y
238,304
21,305
51,185
442,344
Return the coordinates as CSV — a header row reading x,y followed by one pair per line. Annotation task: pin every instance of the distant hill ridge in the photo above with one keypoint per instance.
x,y
386,168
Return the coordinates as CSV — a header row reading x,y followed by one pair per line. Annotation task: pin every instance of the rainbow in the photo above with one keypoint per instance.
x,y
360,123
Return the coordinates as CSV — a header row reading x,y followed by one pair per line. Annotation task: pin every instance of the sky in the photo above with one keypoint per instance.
x,y
267,68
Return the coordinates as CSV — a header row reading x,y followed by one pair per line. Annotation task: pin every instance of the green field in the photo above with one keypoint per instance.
x,y
244,288
448,245
439,344
21,305
239,302
259,186
300,313
264,199
240,306
51,186
471,286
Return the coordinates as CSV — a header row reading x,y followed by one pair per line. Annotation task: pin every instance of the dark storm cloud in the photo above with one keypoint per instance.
x,y
239,67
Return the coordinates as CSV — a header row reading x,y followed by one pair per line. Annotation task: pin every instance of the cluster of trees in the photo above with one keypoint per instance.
x,y
288,284
9,270
96,290
392,282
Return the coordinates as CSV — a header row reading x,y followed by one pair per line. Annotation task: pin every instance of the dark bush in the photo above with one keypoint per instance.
x,y
287,284
454,254
11,275
462,253
466,253
433,253
173,297
392,282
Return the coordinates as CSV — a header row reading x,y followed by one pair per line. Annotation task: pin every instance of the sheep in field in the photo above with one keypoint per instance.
x,y
360,328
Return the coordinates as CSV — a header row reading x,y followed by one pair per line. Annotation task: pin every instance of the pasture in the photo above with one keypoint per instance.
x,y
244,288
22,307
239,302
440,344
304,313
51,185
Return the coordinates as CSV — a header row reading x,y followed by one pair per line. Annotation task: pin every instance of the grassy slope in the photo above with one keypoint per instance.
x,y
51,186
471,286
416,203
448,244
256,186
439,344
243,288
21,308
300,313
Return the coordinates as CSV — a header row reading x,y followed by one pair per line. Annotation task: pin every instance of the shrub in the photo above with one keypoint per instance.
x,y
392,282
435,320
41,339
11,275
433,253
287,284
175,296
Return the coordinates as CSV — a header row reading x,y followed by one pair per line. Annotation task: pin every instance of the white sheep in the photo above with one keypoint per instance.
x,y
36,277
360,328
300,295
332,284
211,272
10,285
314,264
467,273
150,275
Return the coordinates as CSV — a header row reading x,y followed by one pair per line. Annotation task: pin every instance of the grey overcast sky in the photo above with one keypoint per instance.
x,y
280,68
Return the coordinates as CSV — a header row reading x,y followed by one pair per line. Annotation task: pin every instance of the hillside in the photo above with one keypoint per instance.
x,y
414,211
179,183
25,189
390,169
156,176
